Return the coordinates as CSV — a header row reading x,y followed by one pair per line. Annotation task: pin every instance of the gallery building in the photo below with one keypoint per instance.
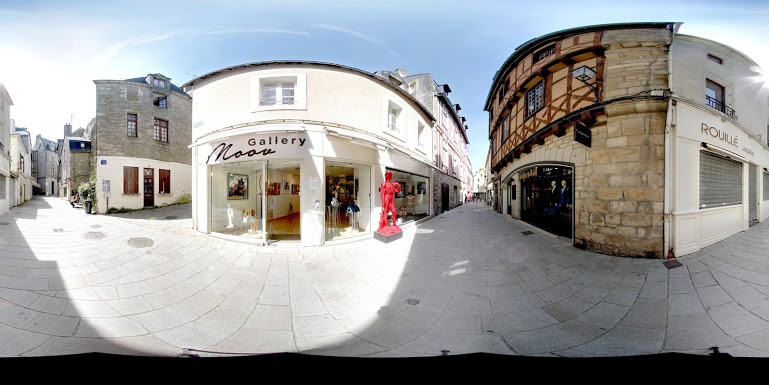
x,y
630,139
296,150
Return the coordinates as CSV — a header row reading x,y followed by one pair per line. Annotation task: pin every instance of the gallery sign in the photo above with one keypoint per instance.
x,y
256,146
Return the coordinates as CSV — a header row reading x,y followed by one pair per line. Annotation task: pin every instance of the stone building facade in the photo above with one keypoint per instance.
x,y
5,148
140,142
46,166
659,151
606,193
75,154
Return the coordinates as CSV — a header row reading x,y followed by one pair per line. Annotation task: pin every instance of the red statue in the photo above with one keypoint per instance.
x,y
387,190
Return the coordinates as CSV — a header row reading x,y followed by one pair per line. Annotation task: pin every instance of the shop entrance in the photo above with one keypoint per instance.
x,y
149,188
348,200
283,218
546,198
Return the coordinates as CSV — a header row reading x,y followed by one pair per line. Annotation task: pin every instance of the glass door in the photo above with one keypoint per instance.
x,y
282,201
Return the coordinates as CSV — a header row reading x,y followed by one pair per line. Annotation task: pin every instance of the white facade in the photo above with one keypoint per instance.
x,y
110,188
326,116
5,158
734,130
21,165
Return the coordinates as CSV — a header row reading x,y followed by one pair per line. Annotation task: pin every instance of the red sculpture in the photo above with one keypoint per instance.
x,y
388,189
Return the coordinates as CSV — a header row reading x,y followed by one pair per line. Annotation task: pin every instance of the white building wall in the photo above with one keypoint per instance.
x,y
112,171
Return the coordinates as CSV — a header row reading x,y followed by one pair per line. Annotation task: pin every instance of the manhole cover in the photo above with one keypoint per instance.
x,y
58,230
527,232
95,226
171,217
140,242
413,301
94,235
672,264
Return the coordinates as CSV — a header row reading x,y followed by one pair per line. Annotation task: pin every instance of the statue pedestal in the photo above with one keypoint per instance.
x,y
387,238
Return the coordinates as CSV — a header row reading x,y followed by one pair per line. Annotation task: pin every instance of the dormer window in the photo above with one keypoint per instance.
x,y
160,100
159,83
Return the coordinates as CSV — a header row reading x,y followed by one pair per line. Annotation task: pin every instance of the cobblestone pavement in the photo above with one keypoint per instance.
x,y
467,281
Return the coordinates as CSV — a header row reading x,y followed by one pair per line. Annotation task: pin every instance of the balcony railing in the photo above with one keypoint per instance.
x,y
277,102
393,127
721,107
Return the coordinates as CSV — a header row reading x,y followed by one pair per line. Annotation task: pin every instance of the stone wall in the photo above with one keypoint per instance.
x,y
455,198
116,99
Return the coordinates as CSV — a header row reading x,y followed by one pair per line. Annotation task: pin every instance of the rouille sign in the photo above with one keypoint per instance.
x,y
719,134
245,147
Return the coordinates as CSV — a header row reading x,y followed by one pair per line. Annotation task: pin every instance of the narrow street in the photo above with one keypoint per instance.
x,y
467,281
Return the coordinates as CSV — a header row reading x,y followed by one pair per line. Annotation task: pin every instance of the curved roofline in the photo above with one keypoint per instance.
x,y
312,63
730,48
524,49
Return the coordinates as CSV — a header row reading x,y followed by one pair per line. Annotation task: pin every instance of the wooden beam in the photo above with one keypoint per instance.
x,y
539,140
559,130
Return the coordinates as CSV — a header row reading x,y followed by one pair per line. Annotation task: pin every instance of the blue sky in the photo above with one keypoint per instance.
x,y
51,51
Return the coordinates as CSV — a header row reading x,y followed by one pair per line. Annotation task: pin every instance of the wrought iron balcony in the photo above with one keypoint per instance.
x,y
721,107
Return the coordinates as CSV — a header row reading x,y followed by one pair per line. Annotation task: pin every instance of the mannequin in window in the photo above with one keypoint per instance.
x,y
553,197
565,195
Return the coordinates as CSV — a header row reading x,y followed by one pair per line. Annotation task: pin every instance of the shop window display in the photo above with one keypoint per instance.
x,y
546,198
413,201
348,200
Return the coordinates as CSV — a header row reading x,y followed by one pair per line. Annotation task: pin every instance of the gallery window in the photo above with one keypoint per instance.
x,y
130,180
161,130
164,178
720,181
132,120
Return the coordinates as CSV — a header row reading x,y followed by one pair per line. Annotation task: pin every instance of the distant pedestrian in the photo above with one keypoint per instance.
x,y
75,201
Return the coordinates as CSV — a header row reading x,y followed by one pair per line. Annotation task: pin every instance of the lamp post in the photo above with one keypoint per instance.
x,y
584,74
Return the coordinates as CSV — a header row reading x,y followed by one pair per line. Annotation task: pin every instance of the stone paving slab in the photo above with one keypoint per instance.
x,y
479,285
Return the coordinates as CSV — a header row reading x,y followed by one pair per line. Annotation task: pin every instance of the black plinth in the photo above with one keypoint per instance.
x,y
387,238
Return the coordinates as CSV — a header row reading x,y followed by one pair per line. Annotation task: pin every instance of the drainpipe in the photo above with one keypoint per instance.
x,y
667,183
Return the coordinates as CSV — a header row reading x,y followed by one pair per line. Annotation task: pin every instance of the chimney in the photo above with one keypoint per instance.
x,y
67,130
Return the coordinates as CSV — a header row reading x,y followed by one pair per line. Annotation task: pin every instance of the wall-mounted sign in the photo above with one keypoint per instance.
x,y
719,134
257,146
103,161
583,134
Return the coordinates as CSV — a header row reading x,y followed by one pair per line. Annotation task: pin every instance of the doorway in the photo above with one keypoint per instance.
x,y
546,198
348,200
149,187
283,211
444,197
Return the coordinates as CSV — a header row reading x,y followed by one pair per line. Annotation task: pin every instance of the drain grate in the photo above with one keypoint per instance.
x,y
140,242
672,264
412,301
171,217
95,226
527,232
94,235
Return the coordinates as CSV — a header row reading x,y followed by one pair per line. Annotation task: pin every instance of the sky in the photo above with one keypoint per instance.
x,y
51,51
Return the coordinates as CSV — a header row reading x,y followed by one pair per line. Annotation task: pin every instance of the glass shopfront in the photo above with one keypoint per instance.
x,y
241,206
413,201
547,198
348,200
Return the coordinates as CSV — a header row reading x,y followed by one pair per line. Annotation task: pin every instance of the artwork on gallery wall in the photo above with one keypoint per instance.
x,y
402,193
274,189
294,189
420,188
237,186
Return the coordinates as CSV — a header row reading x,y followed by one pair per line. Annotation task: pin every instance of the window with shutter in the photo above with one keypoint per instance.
x,y
720,181
130,180
165,182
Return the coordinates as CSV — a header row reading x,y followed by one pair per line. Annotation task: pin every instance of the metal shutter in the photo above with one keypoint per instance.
x,y
752,193
720,181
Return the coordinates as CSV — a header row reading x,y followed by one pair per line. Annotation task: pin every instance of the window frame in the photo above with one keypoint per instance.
x,y
161,131
164,176
130,174
299,89
135,122
400,123
539,103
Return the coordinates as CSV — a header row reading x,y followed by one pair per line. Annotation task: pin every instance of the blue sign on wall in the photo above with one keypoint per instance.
x,y
103,161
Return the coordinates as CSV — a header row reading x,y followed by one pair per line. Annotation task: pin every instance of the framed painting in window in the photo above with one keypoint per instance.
x,y
237,186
